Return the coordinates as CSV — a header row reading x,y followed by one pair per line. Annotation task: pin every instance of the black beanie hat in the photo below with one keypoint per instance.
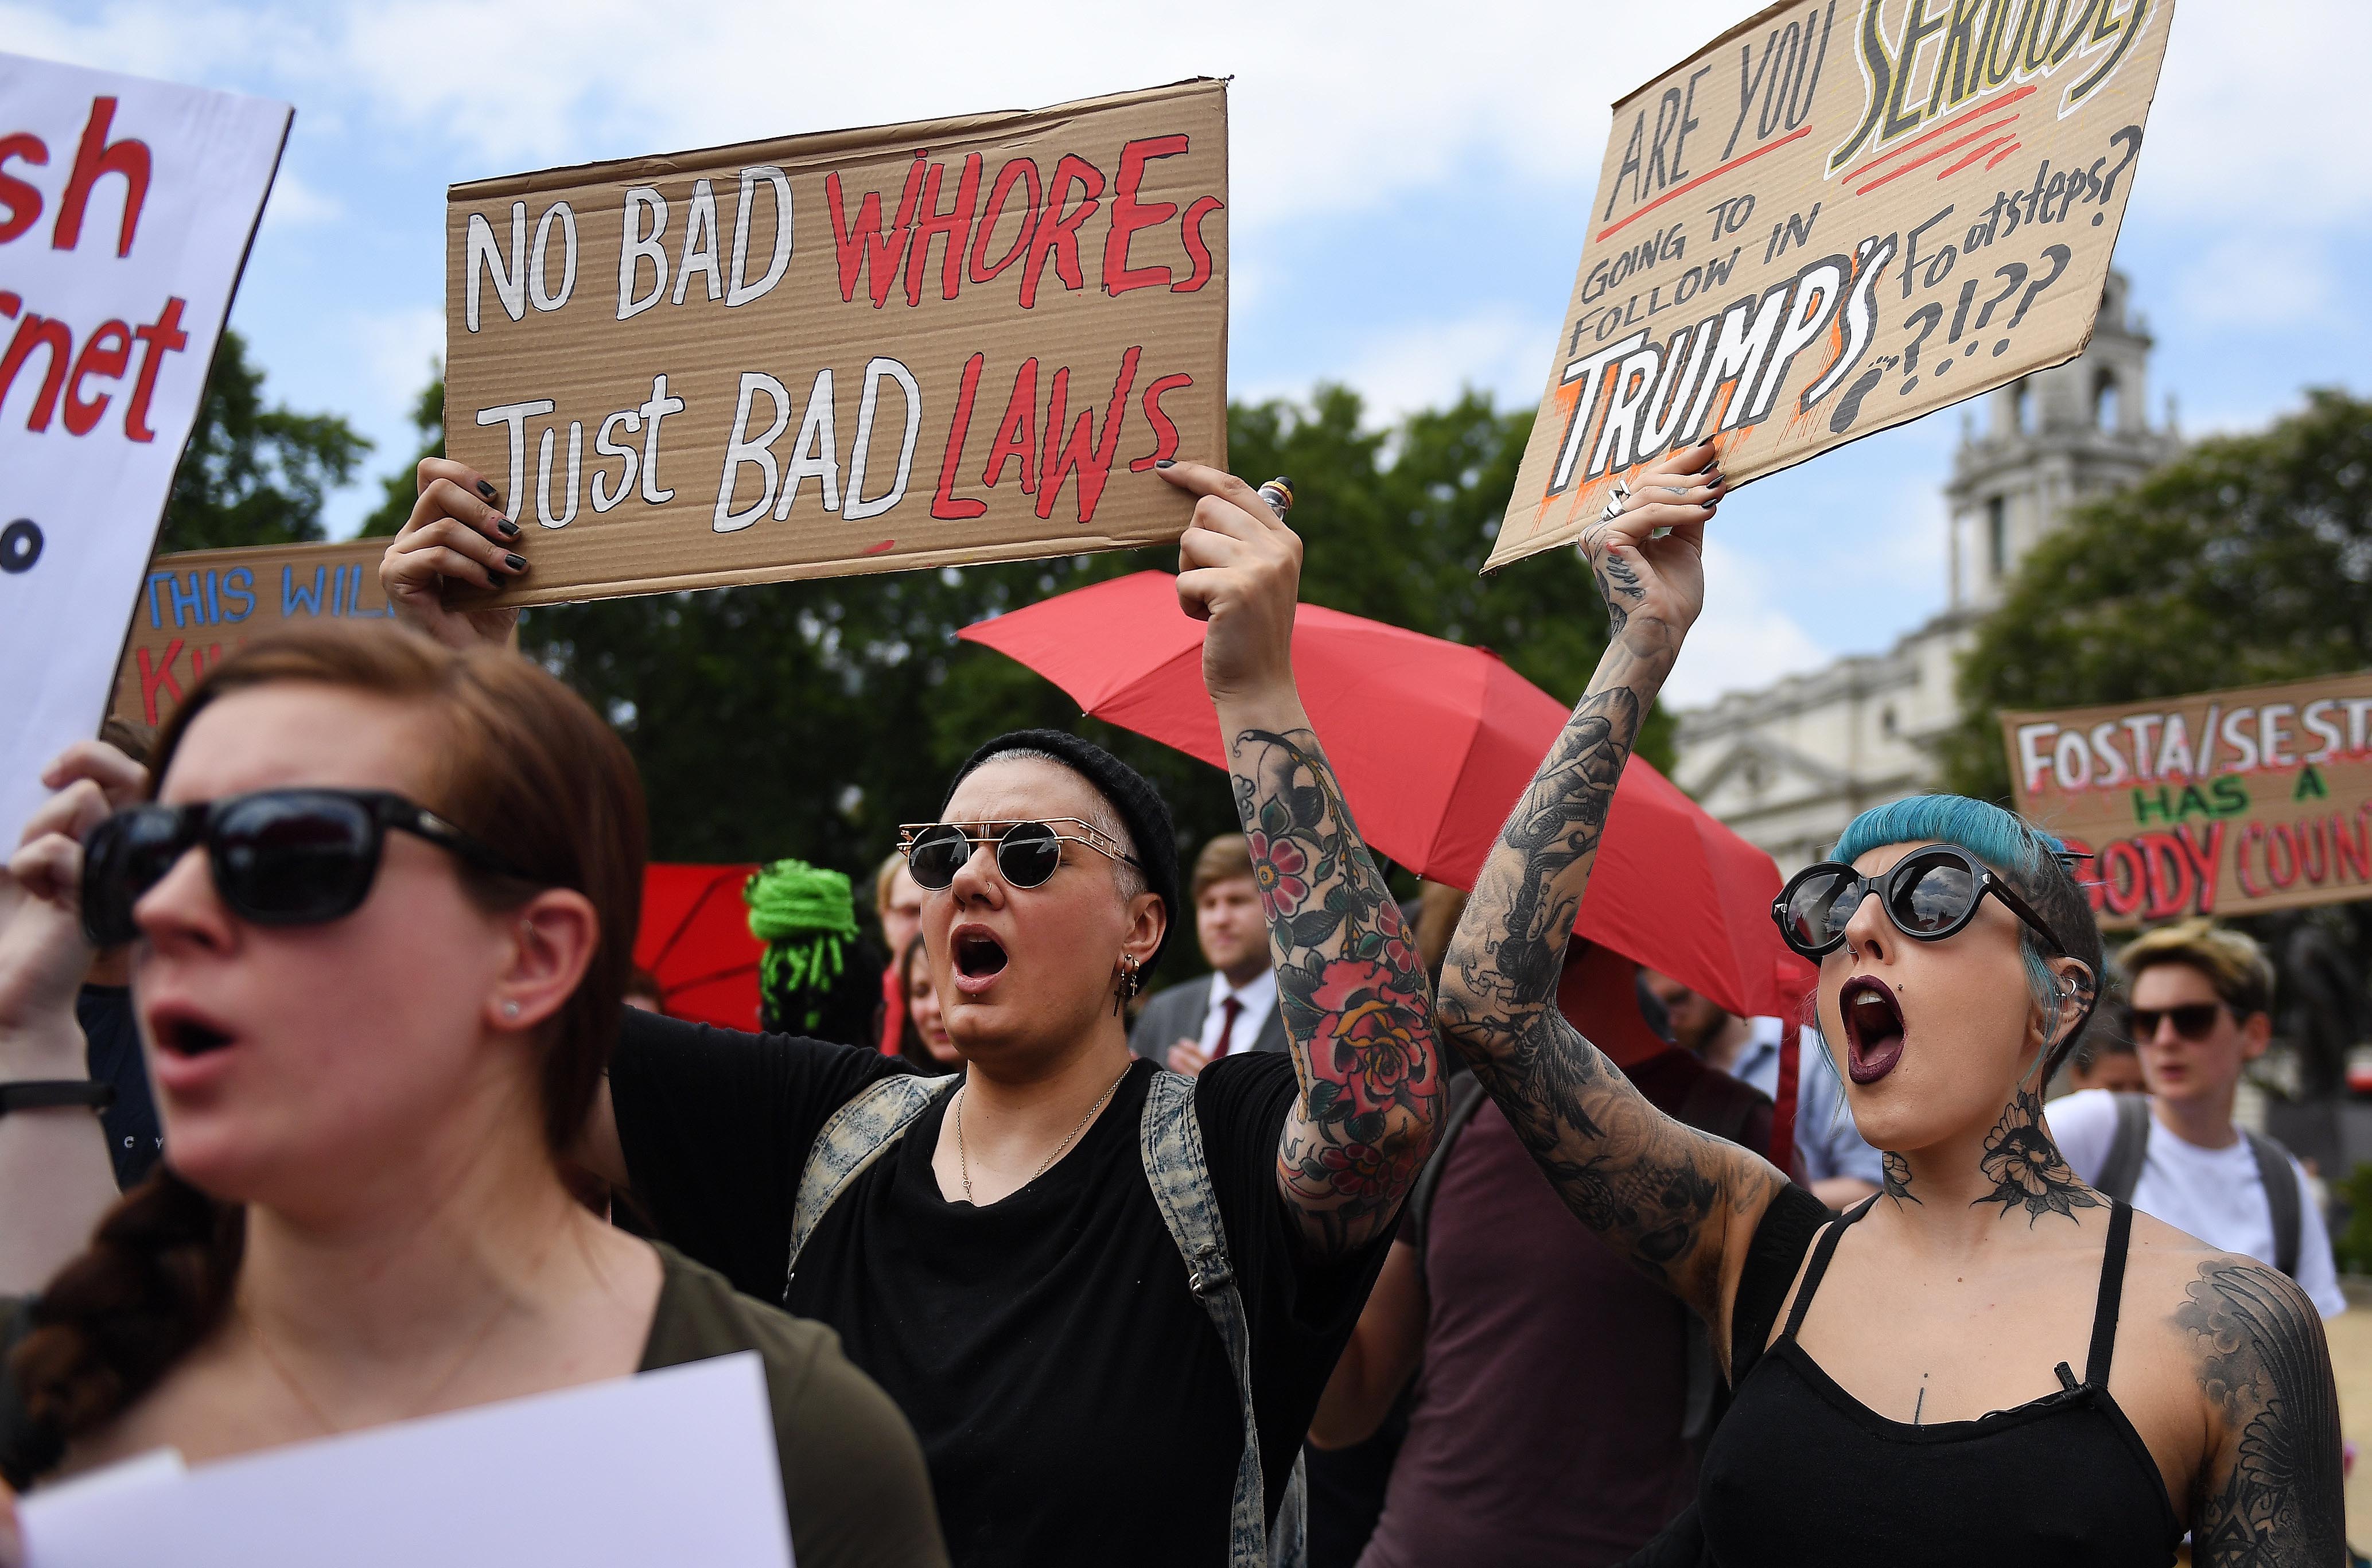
x,y
1124,789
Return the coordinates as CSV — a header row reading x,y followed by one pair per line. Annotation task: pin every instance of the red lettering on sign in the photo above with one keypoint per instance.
x,y
38,331
1013,431
1128,214
96,157
98,358
1058,226
1082,453
1164,429
944,502
23,201
1196,252
951,226
158,338
156,675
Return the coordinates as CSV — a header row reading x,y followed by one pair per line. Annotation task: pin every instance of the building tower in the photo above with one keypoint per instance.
x,y
1790,764
2049,440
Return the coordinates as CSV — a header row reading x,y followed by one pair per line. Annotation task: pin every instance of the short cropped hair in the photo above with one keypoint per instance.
x,y
1228,856
2230,959
2019,852
883,875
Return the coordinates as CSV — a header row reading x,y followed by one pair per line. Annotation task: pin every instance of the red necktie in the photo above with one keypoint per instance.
x,y
1226,1025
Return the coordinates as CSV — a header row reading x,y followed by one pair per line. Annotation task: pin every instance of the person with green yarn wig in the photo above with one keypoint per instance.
x,y
818,977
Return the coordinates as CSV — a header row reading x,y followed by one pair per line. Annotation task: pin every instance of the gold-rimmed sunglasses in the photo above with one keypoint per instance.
x,y
1027,853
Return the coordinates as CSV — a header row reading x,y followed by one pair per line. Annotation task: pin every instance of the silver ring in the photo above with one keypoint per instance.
x,y
1613,510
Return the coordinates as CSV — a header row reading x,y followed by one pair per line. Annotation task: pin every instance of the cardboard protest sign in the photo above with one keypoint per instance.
x,y
1839,215
953,341
198,605
2223,803
126,207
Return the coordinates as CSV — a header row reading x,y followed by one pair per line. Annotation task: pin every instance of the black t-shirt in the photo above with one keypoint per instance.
x,y
112,1046
1072,1396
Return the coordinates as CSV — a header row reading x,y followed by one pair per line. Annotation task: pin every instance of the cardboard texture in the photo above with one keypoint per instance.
x,y
198,605
1838,216
953,341
126,209
2223,803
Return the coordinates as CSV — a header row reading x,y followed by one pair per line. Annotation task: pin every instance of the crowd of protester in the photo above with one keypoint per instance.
x,y
1353,1250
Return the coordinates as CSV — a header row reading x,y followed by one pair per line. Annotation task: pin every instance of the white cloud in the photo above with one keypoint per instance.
x,y
296,203
2248,284
1744,641
399,353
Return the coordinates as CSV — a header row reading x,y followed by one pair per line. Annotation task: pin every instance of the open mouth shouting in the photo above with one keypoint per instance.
x,y
190,1048
1873,1021
979,958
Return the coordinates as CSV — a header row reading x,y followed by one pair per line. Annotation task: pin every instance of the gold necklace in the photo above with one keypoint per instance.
x,y
963,1166
421,1407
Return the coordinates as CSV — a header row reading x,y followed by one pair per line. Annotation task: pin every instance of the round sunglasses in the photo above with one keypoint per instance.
x,y
279,856
1929,894
1027,853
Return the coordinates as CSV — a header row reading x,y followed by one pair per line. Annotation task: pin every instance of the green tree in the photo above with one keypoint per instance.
x,y
399,488
253,474
2247,560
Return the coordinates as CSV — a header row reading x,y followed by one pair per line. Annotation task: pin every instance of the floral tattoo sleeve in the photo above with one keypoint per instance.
x,y
1350,989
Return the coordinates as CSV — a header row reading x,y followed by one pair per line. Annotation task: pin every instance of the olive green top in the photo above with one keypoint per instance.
x,y
853,1482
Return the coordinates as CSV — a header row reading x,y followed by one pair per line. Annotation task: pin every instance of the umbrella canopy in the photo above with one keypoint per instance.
x,y
1433,742
695,941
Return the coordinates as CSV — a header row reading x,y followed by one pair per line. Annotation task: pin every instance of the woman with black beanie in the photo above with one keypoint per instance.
x,y
1107,1298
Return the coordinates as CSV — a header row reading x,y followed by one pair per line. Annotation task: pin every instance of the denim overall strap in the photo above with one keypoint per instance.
x,y
1170,1140
857,1134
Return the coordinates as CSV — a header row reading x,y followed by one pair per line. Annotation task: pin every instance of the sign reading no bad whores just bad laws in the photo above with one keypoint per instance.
x,y
1838,216
2220,803
952,341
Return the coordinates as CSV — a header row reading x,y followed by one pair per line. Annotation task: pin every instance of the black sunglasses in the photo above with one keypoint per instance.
x,y
1929,894
279,856
1027,853
2193,1020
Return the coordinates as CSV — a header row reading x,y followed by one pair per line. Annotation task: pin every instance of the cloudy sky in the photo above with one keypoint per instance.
x,y
1409,190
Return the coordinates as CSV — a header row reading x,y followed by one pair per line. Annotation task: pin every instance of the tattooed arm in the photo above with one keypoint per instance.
x,y
1679,1203
2269,1495
1349,988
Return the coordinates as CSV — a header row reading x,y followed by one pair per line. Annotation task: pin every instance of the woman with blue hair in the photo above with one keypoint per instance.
x,y
2005,1366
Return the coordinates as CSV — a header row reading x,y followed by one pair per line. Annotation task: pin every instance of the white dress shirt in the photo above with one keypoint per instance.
x,y
1257,997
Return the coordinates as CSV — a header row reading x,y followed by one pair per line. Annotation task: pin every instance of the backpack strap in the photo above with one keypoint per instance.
x,y
2281,1183
858,1134
1466,1097
1170,1139
2122,1169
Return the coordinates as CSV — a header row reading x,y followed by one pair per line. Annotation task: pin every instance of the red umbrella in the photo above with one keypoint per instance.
x,y
1433,742
695,941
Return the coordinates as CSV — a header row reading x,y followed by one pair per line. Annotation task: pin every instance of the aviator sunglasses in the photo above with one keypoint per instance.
x,y
279,856
1929,894
1027,853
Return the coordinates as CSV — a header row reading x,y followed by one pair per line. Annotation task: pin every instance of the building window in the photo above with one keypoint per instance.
x,y
1886,723
1997,535
2104,402
2022,404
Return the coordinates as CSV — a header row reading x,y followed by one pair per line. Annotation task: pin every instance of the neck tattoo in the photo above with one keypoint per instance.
x,y
1895,1178
2027,1169
963,1166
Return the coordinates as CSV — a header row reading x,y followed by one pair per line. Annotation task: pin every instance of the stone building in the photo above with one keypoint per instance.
x,y
1790,764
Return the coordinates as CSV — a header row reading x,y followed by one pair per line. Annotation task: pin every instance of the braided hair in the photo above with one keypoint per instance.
x,y
816,978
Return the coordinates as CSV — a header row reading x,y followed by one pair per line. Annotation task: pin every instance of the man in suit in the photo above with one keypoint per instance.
x,y
1189,1027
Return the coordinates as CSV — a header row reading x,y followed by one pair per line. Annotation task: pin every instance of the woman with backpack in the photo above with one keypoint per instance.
x,y
1107,1298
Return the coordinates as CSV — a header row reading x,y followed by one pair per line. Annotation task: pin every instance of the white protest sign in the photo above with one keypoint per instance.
x,y
527,1481
126,208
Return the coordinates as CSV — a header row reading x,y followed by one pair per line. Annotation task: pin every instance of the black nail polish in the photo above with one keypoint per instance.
x,y
485,489
506,528
516,563
1165,462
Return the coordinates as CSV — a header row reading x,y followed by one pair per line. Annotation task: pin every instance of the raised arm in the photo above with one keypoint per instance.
x,y
2269,1495
53,1163
1354,998
1679,1203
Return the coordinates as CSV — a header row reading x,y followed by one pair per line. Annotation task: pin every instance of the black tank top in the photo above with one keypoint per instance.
x,y
1801,1471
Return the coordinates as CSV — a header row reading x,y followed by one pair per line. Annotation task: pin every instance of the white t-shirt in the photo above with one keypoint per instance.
x,y
1256,996
2215,1194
